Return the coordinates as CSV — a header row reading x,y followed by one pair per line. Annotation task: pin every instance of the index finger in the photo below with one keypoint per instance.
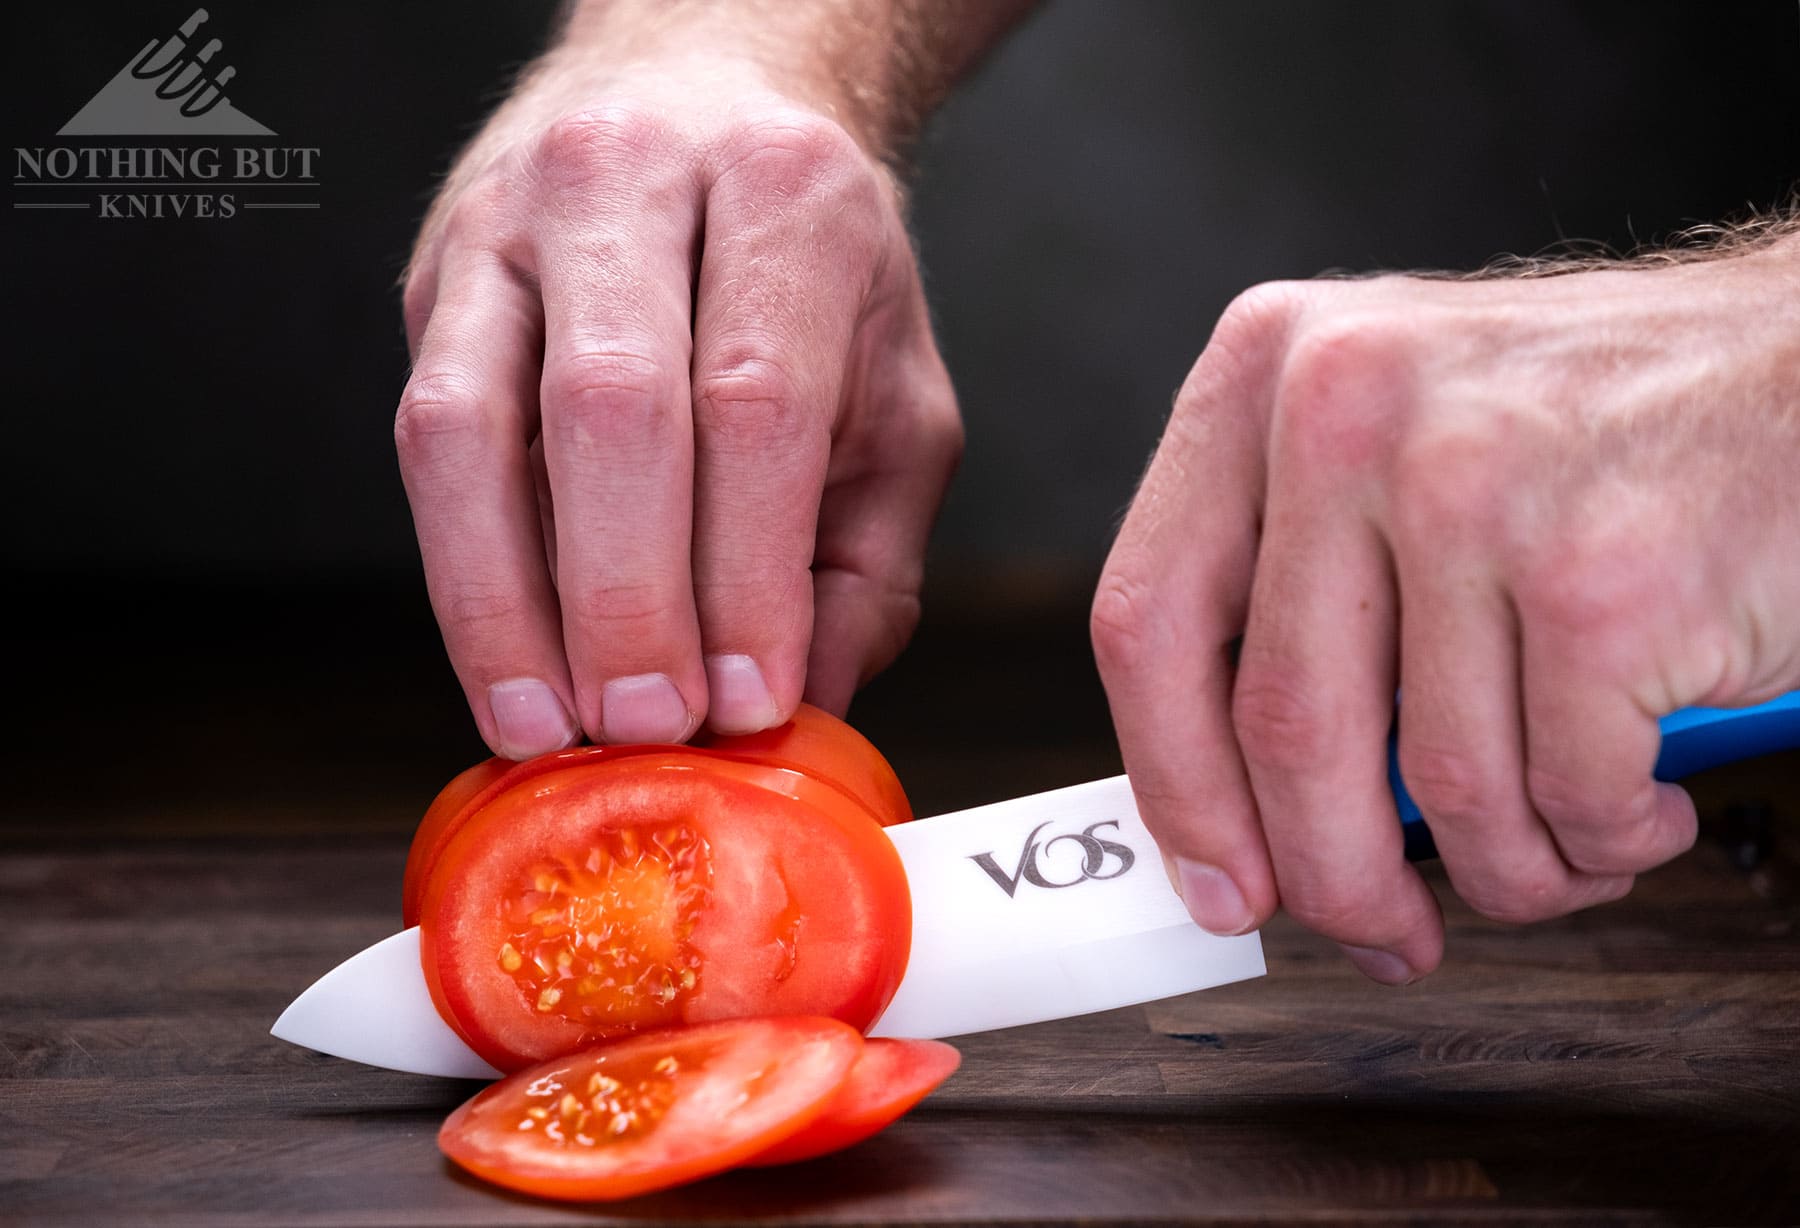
x,y
1171,603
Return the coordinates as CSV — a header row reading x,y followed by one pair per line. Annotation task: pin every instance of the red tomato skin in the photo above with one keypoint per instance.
x,y
828,861
446,808
824,747
890,1077
795,1068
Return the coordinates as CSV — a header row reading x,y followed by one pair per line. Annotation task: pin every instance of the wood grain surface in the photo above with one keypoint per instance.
x,y
1636,1064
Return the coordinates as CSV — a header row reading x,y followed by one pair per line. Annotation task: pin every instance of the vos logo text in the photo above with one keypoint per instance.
x,y
1100,859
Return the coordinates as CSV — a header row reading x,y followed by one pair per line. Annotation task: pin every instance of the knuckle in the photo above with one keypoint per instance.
x,y
439,413
756,598
928,441
574,149
1449,784
796,161
1339,389
920,420
1605,858
754,399
937,429
1624,847
615,612
788,150
477,214
1568,803
1516,899
1244,344
602,393
1588,581
899,610
1261,311
1611,888
1344,911
1124,626
1450,482
887,601
1281,724
944,439
484,615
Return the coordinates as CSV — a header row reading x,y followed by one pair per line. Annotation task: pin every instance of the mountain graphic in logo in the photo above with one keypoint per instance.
x,y
172,88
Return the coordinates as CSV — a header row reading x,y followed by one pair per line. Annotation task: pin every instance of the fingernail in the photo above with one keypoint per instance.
x,y
529,720
644,708
739,699
1379,965
1212,899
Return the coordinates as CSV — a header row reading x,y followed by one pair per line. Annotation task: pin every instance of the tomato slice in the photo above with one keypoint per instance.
x,y
592,899
446,808
890,1077
822,746
814,743
653,1110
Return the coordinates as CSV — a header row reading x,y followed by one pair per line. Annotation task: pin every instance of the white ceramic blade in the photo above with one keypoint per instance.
x,y
1045,907
374,1008
1038,908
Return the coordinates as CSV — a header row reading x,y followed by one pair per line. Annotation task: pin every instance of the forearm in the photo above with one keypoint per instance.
x,y
878,67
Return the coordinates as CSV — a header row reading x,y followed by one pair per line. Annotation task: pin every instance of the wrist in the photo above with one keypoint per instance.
x,y
875,67
832,58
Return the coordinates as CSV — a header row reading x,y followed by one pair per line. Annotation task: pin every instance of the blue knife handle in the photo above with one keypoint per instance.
x,y
1693,739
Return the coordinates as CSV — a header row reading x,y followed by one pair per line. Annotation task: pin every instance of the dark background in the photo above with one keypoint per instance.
x,y
208,557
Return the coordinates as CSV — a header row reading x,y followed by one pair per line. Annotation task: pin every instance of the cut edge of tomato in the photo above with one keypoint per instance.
x,y
428,846
818,1050
870,1099
889,805
814,741
756,759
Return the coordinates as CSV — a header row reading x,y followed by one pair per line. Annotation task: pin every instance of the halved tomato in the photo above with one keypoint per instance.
x,y
814,743
653,1110
890,1077
583,899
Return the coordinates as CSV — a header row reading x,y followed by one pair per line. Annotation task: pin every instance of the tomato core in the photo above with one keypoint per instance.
x,y
600,937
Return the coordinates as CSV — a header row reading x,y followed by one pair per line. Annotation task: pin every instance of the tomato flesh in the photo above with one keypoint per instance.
x,y
608,941
463,798
814,743
586,902
889,1078
652,1110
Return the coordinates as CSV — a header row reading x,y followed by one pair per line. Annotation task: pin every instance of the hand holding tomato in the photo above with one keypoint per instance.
x,y
677,427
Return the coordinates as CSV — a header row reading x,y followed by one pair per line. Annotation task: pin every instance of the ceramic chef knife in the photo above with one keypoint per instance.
x,y
1041,907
